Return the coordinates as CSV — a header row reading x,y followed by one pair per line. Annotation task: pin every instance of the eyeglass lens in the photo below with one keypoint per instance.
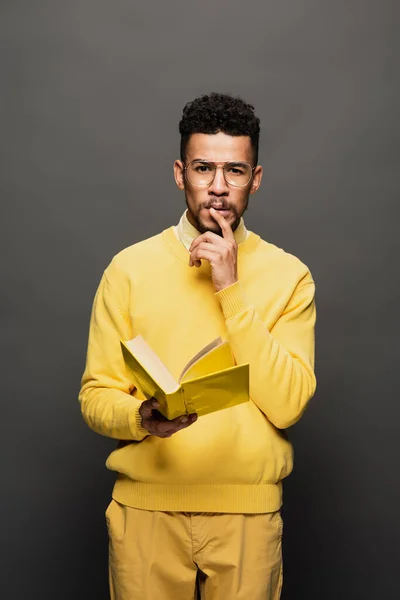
x,y
203,172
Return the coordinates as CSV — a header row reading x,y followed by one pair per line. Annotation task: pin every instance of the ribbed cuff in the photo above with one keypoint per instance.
x,y
135,425
232,300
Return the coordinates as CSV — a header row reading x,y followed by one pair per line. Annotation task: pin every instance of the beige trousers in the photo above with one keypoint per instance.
x,y
183,556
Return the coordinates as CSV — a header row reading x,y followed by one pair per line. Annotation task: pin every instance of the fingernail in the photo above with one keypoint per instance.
x,y
154,403
184,419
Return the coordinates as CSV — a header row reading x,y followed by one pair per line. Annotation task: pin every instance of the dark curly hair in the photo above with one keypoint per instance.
x,y
219,112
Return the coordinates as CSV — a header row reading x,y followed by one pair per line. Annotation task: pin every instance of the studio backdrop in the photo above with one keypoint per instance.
x,y
91,96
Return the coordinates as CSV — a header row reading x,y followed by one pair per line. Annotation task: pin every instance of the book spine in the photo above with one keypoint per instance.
x,y
184,404
189,405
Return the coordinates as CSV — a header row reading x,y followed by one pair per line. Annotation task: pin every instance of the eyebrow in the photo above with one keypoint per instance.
x,y
232,162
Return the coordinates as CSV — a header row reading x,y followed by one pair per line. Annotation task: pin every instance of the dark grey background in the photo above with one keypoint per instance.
x,y
91,96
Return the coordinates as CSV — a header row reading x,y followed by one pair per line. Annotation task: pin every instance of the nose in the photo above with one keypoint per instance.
x,y
219,185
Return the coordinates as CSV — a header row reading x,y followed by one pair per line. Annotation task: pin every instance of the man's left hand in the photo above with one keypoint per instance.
x,y
221,252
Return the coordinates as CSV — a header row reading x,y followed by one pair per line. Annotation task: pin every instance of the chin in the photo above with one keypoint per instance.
x,y
210,224
213,227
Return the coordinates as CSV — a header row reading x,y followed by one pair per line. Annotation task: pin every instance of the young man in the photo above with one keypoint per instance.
x,y
197,502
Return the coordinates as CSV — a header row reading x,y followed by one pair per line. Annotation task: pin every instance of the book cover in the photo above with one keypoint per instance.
x,y
210,381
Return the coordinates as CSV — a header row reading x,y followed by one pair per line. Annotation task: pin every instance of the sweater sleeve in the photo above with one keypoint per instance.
x,y
107,405
281,361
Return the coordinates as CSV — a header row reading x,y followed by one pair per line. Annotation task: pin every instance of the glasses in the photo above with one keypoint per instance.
x,y
202,173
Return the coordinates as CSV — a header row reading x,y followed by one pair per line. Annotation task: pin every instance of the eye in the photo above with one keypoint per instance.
x,y
202,168
236,170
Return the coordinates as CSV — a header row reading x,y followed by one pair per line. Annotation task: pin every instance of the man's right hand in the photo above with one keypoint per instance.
x,y
156,424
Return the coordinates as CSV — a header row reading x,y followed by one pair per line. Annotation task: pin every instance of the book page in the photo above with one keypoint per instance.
x,y
149,360
200,354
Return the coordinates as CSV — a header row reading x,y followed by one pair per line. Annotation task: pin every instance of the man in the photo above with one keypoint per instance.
x,y
197,500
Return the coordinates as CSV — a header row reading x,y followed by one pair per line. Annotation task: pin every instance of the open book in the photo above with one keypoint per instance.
x,y
209,382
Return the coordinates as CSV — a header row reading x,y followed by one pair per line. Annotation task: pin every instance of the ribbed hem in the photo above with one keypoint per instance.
x,y
135,425
238,498
232,300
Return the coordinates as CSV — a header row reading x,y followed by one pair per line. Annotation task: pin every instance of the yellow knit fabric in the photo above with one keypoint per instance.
x,y
230,461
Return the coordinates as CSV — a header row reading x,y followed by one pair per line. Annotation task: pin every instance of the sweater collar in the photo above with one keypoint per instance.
x,y
172,241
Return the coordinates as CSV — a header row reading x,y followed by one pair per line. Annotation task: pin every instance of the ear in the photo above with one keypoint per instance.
x,y
179,174
256,181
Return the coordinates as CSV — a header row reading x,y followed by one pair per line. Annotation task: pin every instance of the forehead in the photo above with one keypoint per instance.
x,y
219,147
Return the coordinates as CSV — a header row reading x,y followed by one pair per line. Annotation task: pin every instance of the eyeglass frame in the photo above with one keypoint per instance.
x,y
242,162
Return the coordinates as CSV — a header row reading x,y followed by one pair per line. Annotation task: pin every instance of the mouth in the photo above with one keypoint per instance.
x,y
222,211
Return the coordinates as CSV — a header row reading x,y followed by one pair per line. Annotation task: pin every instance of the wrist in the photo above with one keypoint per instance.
x,y
226,284
135,423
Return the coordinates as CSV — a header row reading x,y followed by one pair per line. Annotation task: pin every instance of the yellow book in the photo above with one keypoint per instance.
x,y
210,381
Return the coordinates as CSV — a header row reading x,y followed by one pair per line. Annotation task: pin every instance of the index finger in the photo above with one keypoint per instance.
x,y
223,223
208,236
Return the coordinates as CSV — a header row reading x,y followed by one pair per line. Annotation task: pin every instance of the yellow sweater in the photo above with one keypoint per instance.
x,y
230,461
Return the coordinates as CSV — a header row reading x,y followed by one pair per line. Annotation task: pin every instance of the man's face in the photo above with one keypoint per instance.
x,y
232,201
